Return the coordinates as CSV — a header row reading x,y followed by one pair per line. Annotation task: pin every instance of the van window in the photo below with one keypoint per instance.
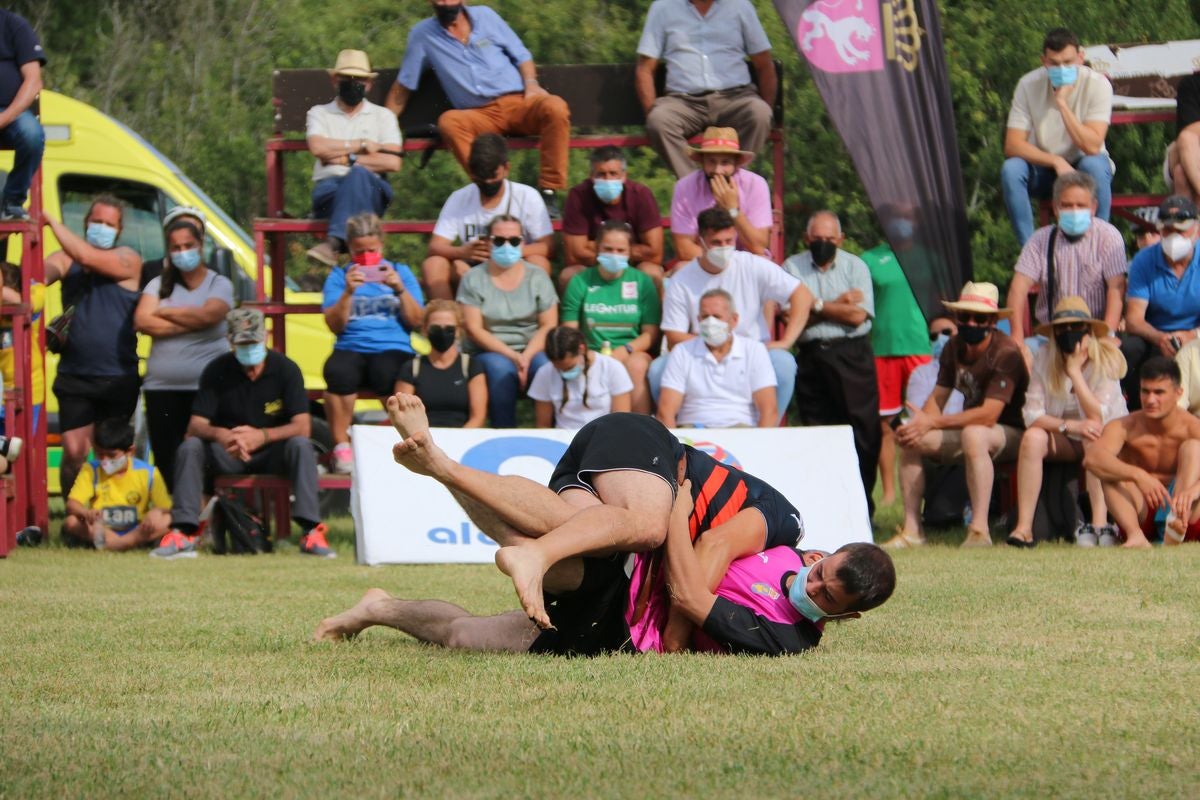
x,y
142,229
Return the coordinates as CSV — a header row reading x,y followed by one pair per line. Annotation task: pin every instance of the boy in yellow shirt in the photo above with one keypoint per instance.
x,y
10,292
118,502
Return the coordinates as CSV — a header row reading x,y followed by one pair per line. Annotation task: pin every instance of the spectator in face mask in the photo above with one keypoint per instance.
x,y
578,385
98,368
450,383
1162,310
355,143
751,281
718,379
182,310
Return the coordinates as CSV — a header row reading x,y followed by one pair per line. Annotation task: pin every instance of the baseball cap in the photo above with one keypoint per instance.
x,y
246,326
1177,212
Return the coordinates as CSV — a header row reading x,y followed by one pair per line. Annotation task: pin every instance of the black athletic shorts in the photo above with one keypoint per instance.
x,y
614,442
590,621
348,372
84,400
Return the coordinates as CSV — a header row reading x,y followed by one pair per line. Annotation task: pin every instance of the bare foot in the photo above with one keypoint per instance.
x,y
419,454
349,623
977,538
1137,542
526,569
407,413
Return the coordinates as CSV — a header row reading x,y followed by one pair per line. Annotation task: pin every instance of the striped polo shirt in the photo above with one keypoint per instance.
x,y
1081,268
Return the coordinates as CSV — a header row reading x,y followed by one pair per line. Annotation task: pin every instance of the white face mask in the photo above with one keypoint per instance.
x,y
112,466
1177,247
720,257
714,332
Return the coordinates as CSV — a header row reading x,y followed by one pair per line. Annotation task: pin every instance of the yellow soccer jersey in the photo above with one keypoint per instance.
x,y
37,295
123,498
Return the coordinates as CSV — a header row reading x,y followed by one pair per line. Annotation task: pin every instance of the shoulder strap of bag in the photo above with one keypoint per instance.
x,y
465,360
416,368
1051,283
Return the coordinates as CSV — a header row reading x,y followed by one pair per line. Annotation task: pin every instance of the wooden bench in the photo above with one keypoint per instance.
x,y
602,100
274,495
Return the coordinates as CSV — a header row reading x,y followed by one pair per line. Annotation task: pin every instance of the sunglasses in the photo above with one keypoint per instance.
x,y
500,241
1074,327
933,335
975,319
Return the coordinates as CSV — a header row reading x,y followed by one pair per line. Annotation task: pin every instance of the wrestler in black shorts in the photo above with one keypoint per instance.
x,y
616,442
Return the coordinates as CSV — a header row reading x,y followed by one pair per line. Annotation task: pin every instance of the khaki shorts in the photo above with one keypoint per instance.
x,y
1003,443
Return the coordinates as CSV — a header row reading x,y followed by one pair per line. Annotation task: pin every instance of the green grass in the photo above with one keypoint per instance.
x,y
1048,673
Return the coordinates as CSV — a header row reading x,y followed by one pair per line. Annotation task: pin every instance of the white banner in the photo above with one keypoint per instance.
x,y
403,518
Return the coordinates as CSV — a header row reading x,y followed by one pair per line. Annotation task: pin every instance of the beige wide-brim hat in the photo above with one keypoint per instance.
x,y
983,298
353,64
720,140
1069,311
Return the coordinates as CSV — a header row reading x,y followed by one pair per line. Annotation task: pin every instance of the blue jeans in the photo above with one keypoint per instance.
x,y
782,361
25,137
503,386
1021,180
359,191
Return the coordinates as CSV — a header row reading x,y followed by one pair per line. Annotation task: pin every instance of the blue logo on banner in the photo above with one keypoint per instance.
x,y
489,456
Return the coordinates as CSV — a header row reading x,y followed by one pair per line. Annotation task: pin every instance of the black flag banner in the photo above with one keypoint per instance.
x,y
881,71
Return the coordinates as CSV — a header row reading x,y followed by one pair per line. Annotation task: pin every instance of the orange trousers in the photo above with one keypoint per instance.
x,y
545,116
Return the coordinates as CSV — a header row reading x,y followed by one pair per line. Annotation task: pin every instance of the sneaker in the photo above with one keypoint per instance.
x,y
14,214
29,537
1085,535
343,459
176,545
1108,535
550,197
313,543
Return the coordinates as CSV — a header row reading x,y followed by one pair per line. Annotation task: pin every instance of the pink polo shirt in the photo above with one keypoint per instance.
x,y
693,195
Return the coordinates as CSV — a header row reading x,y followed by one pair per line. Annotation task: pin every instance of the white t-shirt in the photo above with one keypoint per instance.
x,y
605,377
718,394
1034,111
464,218
750,279
371,122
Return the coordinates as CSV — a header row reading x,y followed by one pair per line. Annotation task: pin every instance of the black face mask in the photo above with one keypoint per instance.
x,y
973,335
1067,341
442,337
822,251
351,92
447,14
489,188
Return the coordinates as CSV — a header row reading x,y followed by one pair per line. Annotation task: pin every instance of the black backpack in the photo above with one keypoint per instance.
x,y
236,529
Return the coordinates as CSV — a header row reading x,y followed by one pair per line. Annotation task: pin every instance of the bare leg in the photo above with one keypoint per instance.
x,y
77,528
1035,442
977,442
638,366
1186,475
340,410
633,518
1126,505
912,490
431,621
76,444
1188,151
1096,499
887,463
437,274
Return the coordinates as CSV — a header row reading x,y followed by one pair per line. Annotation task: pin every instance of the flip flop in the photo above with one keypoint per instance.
x,y
1013,541
904,539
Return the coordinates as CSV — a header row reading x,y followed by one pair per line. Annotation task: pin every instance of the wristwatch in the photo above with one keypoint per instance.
x,y
352,158
1062,428
818,306
733,213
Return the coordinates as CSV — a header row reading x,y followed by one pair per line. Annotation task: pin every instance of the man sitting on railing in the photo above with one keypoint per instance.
x,y
1183,156
490,78
356,143
21,60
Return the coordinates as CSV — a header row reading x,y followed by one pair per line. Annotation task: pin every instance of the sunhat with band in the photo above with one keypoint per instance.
x,y
1070,311
982,298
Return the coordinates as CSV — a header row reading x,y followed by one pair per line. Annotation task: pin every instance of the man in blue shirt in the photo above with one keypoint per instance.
x,y
21,60
491,80
1162,306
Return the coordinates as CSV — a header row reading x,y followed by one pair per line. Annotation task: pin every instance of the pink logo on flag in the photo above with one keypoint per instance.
x,y
841,36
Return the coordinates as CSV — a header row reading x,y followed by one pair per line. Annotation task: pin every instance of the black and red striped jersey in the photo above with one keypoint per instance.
x,y
720,491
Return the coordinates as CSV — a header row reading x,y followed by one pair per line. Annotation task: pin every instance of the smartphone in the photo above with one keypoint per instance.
x,y
1175,343
375,273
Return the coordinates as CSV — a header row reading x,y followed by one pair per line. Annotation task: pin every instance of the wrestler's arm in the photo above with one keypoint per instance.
x,y
744,535
690,595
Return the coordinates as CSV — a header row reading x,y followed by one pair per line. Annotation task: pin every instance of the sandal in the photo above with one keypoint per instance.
x,y
904,540
1015,541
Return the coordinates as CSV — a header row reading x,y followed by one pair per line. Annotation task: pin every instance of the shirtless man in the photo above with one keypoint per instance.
x,y
1139,456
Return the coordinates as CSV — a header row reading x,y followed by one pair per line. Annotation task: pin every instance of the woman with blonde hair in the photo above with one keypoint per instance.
x,y
1074,390
449,382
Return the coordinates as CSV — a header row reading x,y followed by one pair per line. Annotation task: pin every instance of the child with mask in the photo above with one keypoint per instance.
x,y
578,385
1074,390
118,502
449,382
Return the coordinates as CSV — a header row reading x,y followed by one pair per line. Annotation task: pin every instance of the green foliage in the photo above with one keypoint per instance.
x,y
194,79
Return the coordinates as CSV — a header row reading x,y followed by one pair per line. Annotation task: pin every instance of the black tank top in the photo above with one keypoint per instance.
x,y
101,341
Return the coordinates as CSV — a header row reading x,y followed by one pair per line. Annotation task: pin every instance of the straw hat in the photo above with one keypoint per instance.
x,y
720,140
983,298
1071,310
353,64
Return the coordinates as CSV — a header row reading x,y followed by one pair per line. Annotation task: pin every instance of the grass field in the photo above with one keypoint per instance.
x,y
1048,673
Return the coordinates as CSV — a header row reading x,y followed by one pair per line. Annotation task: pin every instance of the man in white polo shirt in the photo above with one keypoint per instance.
x,y
751,281
356,143
718,379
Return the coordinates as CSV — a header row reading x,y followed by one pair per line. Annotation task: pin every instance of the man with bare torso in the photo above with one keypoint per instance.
x,y
1150,460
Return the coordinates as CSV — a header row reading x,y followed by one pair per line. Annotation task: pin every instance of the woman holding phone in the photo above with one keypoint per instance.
x,y
371,304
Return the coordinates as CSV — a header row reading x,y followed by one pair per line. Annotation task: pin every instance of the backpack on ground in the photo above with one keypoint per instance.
x,y
236,529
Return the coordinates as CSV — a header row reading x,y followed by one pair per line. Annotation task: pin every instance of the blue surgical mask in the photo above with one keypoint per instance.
x,y
572,373
101,235
1075,221
939,344
608,191
1063,76
186,260
612,263
250,355
506,255
798,596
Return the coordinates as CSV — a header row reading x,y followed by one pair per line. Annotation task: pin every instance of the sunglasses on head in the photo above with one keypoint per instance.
x,y
933,335
975,319
499,241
